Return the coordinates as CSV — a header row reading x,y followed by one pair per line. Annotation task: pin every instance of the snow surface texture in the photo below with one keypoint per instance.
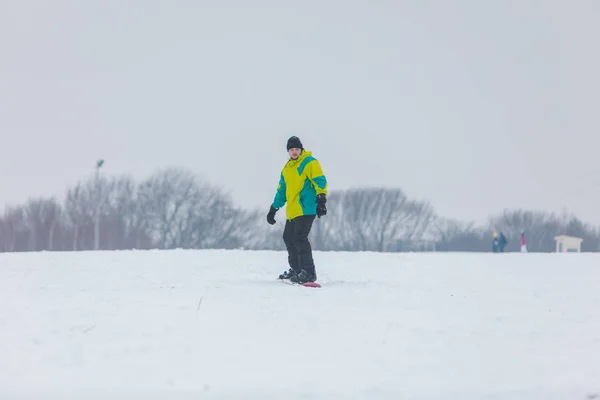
x,y
216,324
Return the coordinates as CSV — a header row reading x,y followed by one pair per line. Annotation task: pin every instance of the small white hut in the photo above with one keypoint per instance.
x,y
568,244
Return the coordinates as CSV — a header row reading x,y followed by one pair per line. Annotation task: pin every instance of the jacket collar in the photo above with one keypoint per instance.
x,y
305,153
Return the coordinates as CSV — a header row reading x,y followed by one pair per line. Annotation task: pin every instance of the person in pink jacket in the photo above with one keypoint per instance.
x,y
523,243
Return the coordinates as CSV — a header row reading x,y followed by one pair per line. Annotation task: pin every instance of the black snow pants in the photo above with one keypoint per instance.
x,y
295,236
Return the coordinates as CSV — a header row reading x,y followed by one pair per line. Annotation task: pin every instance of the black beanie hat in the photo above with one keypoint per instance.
x,y
294,143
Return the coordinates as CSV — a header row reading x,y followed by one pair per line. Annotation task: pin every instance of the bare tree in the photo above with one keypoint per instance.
x,y
372,219
86,208
215,220
79,211
231,228
43,218
271,237
124,225
183,210
418,217
14,233
449,232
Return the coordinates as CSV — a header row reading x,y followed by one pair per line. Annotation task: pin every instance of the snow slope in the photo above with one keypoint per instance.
x,y
215,324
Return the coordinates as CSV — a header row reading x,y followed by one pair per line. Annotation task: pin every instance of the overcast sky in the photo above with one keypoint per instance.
x,y
452,101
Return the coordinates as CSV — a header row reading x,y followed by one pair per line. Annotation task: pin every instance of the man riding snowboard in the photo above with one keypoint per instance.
x,y
303,186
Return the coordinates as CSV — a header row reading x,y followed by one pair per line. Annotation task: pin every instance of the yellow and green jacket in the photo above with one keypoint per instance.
x,y
300,182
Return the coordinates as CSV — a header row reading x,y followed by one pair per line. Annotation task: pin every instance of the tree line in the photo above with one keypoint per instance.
x,y
175,208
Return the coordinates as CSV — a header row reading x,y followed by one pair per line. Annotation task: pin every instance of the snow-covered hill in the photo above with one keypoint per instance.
x,y
216,324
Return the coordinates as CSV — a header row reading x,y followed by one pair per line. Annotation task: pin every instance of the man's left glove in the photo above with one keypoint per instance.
x,y
271,215
321,209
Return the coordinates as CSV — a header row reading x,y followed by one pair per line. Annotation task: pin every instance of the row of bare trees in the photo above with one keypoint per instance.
x,y
174,208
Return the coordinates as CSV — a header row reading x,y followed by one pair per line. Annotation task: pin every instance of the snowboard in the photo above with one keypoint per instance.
x,y
307,284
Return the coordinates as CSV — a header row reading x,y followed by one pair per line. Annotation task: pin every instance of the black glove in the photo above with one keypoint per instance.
x,y
321,209
271,215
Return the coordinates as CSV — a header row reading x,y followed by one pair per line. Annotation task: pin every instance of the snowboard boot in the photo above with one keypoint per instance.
x,y
288,274
304,277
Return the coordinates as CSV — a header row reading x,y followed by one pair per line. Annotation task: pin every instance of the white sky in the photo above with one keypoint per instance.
x,y
464,103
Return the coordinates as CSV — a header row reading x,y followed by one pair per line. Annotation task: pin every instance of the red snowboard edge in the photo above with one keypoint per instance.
x,y
311,284
307,284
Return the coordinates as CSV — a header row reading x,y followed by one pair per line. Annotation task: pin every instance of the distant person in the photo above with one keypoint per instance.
x,y
303,186
495,242
502,242
523,243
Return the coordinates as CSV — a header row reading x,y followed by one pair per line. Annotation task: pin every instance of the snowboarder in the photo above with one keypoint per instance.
x,y
303,186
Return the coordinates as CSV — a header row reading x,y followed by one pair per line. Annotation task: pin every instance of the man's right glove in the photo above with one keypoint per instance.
x,y
321,209
271,215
